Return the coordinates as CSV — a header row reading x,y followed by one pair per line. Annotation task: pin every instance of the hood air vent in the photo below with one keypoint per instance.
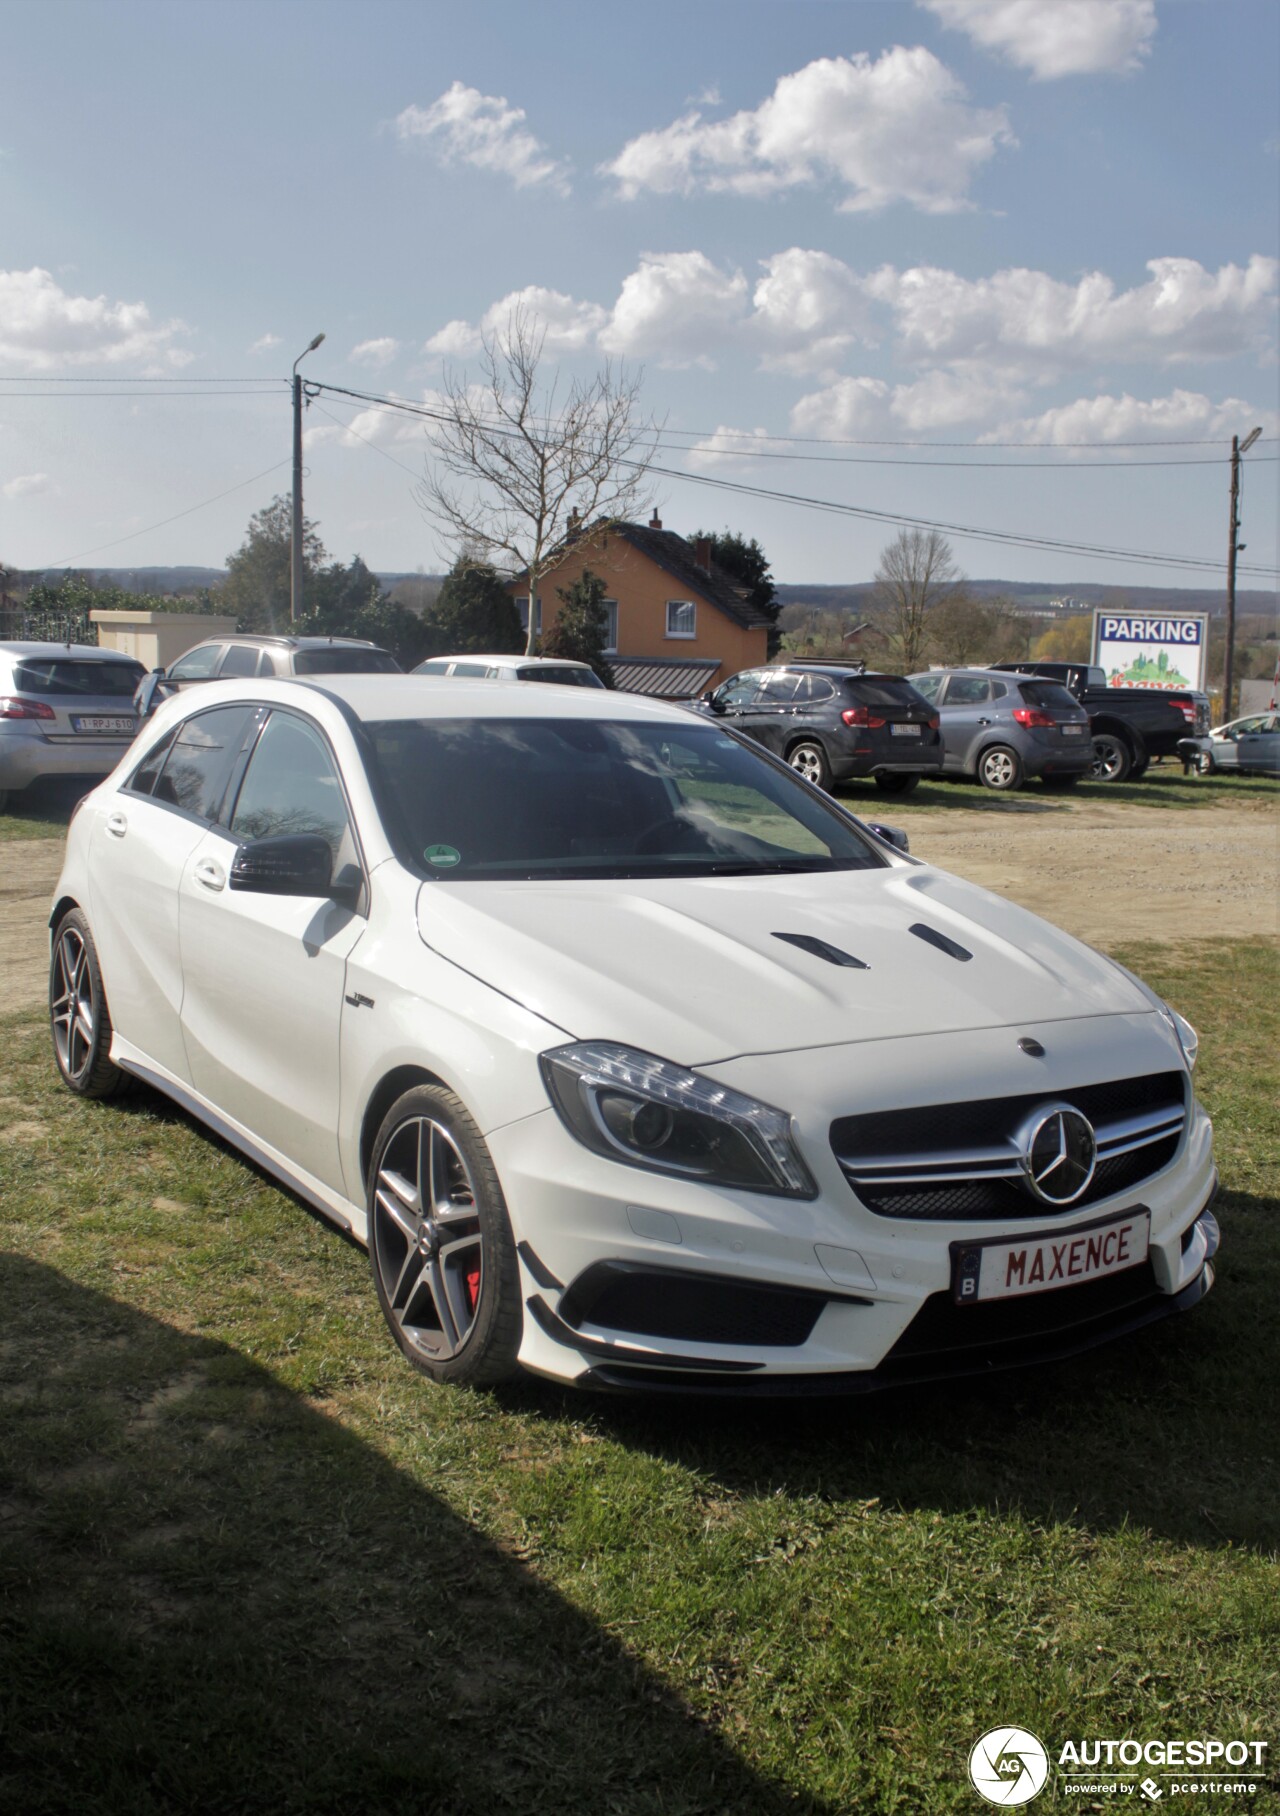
x,y
940,940
820,949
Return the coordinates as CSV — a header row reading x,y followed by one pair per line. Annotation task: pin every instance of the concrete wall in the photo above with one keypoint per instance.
x,y
157,638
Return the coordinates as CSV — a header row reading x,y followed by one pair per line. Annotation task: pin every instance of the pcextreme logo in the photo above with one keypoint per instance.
x,y
1009,1766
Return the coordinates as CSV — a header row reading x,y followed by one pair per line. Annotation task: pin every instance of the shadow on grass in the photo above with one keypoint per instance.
x,y
42,811
1165,787
1171,1431
215,1598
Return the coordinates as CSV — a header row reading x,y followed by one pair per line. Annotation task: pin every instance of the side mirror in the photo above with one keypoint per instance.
x,y
892,835
710,701
288,863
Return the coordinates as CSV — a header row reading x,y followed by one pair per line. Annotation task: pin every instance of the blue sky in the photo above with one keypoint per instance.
x,y
872,228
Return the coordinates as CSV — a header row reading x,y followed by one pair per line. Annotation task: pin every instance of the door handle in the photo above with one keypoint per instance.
x,y
117,825
211,875
984,721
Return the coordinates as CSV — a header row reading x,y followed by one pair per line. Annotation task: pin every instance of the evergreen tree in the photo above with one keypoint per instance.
x,y
581,629
747,563
475,612
256,590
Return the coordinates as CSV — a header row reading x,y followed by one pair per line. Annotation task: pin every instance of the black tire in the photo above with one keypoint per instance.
x,y
1139,766
79,1019
1205,764
900,784
4,799
1112,757
448,1281
1059,784
1000,768
809,760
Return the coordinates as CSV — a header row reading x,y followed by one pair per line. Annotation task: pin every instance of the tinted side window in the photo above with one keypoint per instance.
x,y
143,779
928,685
339,661
998,690
471,669
778,690
290,786
197,664
740,691
967,690
240,659
200,760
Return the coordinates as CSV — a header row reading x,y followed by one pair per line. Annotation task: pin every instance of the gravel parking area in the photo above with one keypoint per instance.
x,y
1104,872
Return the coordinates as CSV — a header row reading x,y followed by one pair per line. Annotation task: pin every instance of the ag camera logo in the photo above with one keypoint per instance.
x,y
1008,1766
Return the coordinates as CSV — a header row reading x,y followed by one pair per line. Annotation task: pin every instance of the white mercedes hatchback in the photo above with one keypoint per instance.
x,y
634,1060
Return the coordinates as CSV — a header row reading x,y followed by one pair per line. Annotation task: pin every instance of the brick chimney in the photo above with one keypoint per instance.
x,y
702,553
655,522
575,519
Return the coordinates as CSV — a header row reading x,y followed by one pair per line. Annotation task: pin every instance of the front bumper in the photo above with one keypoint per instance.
x,y
635,1279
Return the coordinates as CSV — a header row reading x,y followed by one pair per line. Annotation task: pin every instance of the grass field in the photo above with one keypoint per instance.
x,y
250,1562
1163,785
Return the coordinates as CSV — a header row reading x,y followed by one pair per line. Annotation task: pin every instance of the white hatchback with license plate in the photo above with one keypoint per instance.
x,y
634,1060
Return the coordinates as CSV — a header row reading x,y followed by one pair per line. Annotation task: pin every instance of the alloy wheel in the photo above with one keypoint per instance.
x,y
72,1008
427,1241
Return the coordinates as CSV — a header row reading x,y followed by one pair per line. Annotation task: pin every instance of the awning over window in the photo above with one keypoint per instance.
x,y
664,677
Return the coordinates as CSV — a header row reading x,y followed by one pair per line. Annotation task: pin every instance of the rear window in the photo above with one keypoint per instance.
x,y
77,675
338,661
882,690
563,677
1050,697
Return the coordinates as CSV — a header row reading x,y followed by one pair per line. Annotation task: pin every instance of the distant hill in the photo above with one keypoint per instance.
x,y
1041,594
168,580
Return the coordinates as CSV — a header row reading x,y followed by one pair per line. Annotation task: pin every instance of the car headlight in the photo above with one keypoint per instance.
x,y
1183,1032
649,1113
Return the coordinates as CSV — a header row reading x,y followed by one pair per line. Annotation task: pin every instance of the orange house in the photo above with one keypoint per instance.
x,y
677,622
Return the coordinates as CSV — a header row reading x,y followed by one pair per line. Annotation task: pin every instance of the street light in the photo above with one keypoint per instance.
x,y
295,560
1238,448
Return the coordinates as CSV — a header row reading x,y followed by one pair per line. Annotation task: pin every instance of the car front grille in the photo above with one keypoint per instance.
x,y
961,1162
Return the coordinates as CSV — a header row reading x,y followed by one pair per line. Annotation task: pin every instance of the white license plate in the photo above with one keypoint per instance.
x,y
1073,731
104,722
904,731
1011,1267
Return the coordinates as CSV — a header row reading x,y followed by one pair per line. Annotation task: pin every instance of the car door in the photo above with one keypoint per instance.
x,y
1258,748
965,711
144,832
732,701
264,974
770,716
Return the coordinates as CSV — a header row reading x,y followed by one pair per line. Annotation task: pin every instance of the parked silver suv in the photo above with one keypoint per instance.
x,y
1006,729
245,654
66,710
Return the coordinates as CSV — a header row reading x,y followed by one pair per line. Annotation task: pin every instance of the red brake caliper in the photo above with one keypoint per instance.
x,y
473,1287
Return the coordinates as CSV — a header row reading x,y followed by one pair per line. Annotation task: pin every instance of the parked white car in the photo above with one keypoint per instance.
x,y
634,1059
560,672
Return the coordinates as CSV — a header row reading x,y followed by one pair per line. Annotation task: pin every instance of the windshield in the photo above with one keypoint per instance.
x,y
542,798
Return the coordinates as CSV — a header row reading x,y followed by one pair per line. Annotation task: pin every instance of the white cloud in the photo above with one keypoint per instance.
x,y
376,352
26,485
1185,312
868,409
485,131
677,309
899,129
1106,420
567,326
265,343
809,309
1062,38
43,328
726,446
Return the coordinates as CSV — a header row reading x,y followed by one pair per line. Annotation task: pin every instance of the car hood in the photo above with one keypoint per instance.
x,y
692,969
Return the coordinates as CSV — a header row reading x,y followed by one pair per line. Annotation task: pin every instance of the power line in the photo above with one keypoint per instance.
x,y
1006,538
84,378
190,511
155,395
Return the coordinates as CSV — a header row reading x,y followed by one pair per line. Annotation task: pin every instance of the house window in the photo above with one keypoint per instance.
x,y
522,606
681,618
610,626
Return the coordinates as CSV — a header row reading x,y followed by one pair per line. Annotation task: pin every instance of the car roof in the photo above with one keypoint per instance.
x,y
377,697
838,671
272,640
510,661
80,652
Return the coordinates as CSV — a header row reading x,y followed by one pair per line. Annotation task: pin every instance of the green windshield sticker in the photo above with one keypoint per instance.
x,y
442,857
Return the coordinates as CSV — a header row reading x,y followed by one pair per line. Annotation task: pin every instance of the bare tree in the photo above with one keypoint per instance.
x,y
515,468
916,573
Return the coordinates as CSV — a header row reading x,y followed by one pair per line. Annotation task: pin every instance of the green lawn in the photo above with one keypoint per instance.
x,y
250,1562
1164,785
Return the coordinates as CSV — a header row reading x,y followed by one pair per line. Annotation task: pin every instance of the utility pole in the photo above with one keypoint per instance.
x,y
295,561
1238,448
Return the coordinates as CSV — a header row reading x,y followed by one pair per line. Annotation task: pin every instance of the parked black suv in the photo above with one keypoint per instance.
x,y
832,722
